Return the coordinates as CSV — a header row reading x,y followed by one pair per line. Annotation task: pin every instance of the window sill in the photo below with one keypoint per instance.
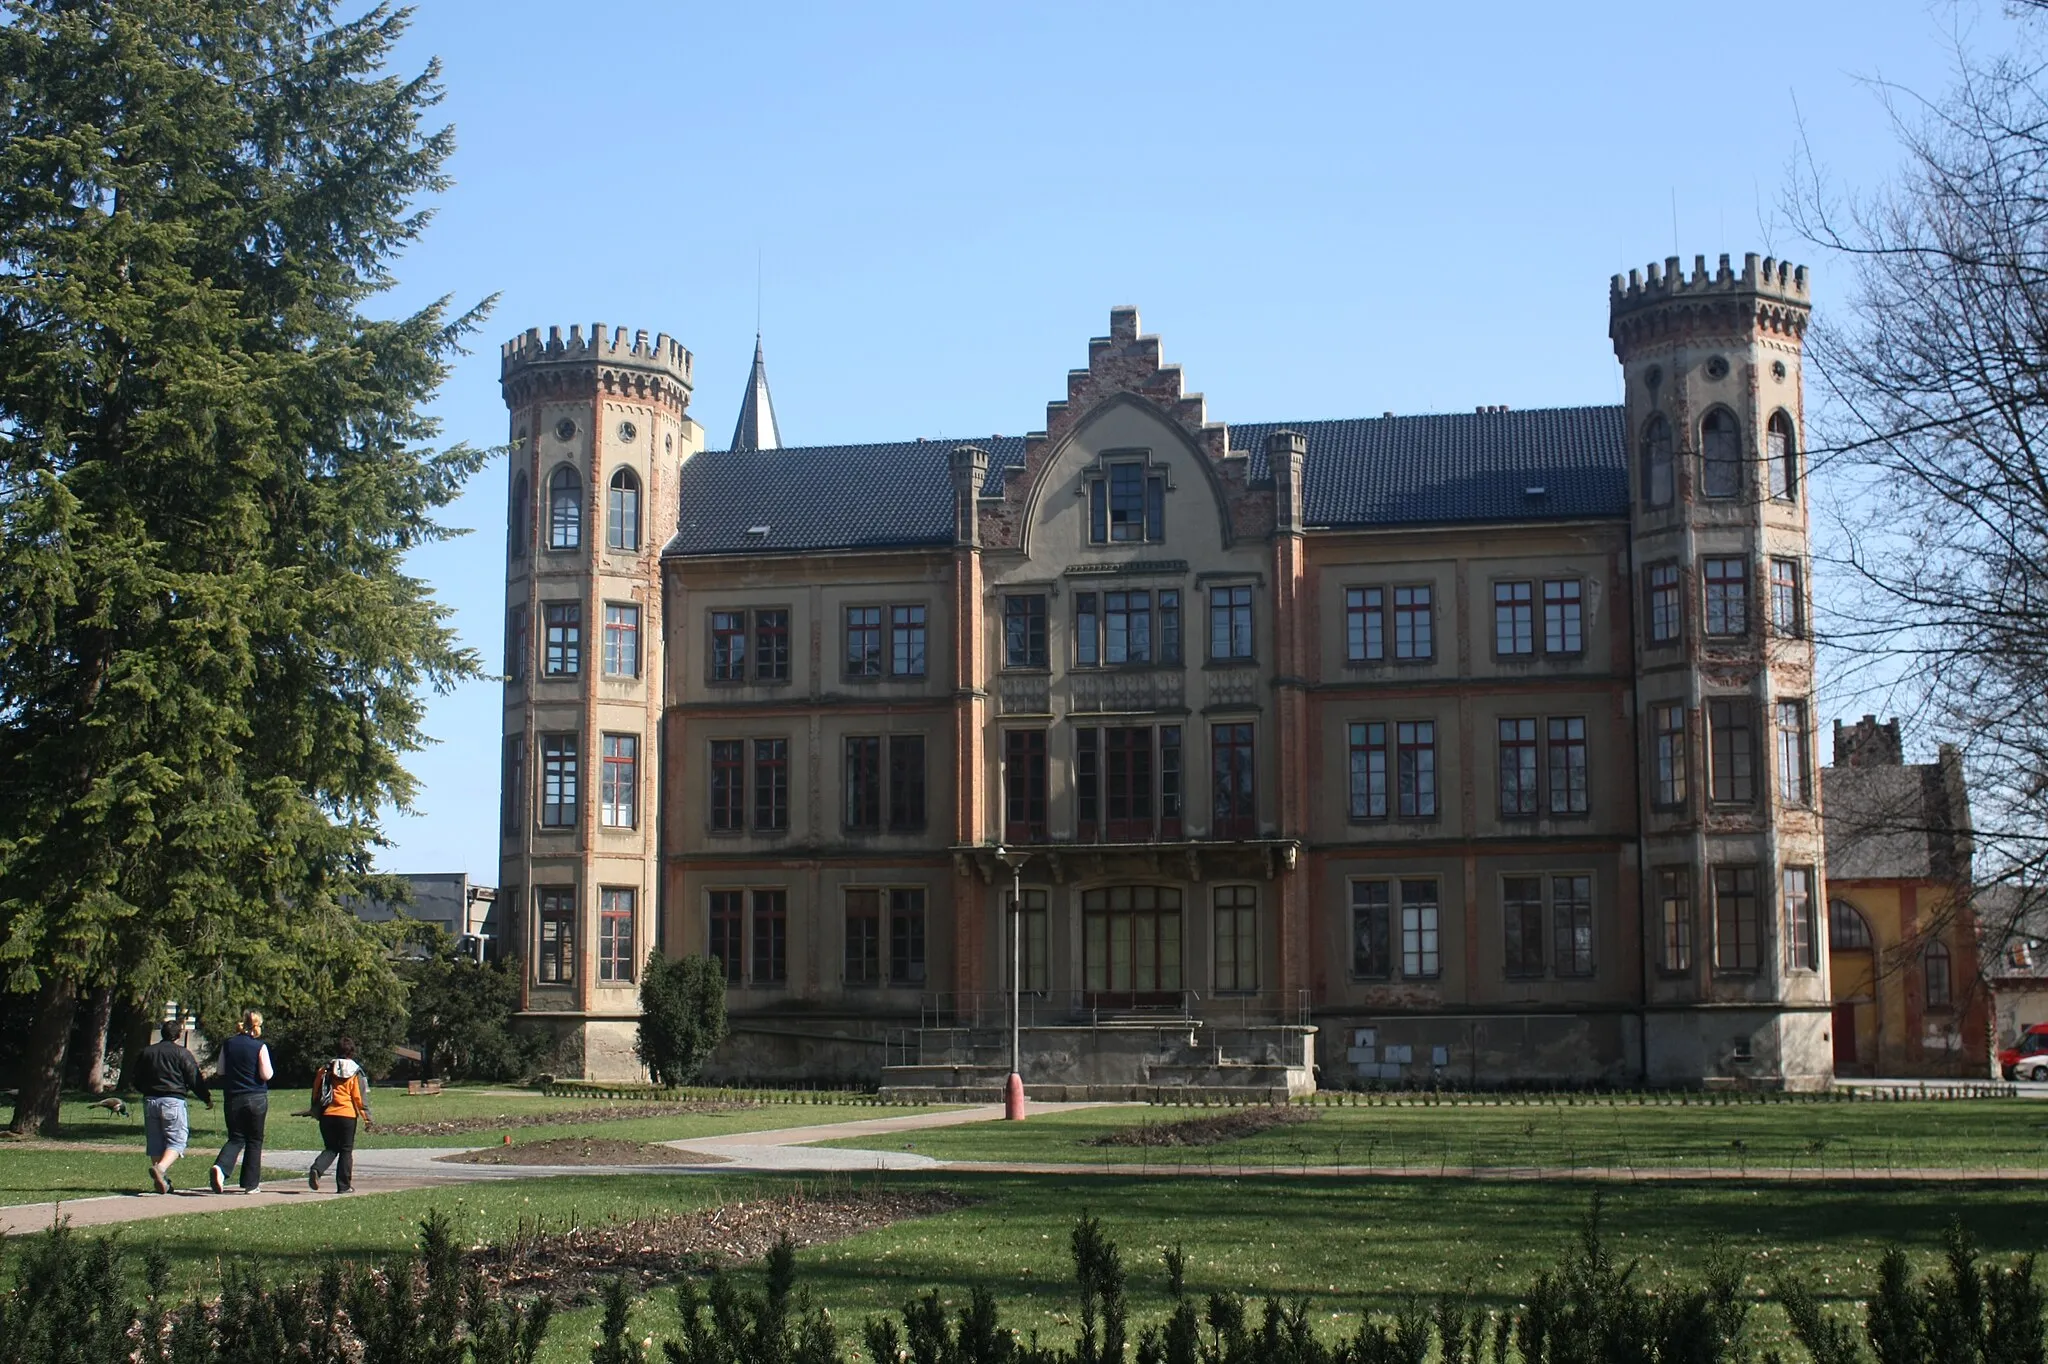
x,y
1229,664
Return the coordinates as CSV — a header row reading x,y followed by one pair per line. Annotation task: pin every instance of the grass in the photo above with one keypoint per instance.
x,y
1994,1135
1339,1242
286,1131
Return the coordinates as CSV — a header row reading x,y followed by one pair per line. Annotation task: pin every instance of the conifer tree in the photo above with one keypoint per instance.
x,y
212,463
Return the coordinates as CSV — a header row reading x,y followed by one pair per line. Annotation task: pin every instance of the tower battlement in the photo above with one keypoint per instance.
x,y
1767,293
604,345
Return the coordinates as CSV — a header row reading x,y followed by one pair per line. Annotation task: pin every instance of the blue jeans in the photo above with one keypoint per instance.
x,y
165,1126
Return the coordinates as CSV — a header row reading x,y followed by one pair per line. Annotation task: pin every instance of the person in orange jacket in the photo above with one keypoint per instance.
x,y
341,1094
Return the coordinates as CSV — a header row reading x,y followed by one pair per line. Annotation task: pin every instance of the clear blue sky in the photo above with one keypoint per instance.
x,y
1325,211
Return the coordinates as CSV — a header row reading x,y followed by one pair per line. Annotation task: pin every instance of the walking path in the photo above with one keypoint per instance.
x,y
785,1151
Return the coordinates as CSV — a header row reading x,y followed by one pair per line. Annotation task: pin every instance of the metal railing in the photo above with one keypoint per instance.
x,y
1095,1008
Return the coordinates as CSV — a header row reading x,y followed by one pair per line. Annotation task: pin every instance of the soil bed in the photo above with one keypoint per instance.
x,y
580,1151
568,1117
571,1263
1231,1126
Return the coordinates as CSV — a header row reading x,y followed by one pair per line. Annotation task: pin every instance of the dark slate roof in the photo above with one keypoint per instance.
x,y
1896,822
1455,467
822,497
1379,471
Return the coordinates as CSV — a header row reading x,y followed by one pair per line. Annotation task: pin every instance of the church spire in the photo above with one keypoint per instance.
x,y
757,429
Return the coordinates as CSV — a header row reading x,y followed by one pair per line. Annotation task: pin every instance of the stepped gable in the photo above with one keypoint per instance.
x,y
1459,467
1127,364
897,494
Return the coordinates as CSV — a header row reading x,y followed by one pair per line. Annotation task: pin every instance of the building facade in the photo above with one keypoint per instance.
x,y
1475,747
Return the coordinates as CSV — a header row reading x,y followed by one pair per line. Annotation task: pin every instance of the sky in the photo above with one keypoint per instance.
x,y
1324,210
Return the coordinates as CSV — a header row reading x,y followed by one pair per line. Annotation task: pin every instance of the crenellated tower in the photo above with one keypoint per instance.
x,y
599,430
1735,964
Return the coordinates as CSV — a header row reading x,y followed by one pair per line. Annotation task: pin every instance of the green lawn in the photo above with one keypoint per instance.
x,y
394,1107
1337,1241
42,1174
1810,1138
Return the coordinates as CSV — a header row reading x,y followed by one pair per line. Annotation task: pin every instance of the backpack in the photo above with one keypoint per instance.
x,y
323,1090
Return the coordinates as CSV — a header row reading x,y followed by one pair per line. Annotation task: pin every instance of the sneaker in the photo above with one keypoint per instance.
x,y
313,1179
214,1180
156,1177
350,1189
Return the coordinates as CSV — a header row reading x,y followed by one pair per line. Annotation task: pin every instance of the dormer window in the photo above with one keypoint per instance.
x,y
1127,504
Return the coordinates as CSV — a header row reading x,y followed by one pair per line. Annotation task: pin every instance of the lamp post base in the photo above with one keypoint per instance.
x,y
1013,1098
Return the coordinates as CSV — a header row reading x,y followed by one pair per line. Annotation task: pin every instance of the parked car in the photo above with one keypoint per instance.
x,y
2026,1059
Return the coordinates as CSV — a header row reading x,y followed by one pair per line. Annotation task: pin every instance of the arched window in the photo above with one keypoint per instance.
x,y
1720,455
1781,456
565,509
1847,929
622,526
1935,962
1657,462
518,519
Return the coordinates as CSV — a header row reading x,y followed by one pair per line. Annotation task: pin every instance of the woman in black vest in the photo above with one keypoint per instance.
x,y
245,1078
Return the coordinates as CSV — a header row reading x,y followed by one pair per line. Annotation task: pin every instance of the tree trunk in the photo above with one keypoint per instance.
x,y
42,1066
134,1034
96,1040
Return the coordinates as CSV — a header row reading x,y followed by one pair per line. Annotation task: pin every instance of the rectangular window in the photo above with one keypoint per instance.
x,y
1371,957
1568,768
1787,601
1420,957
564,649
554,961
1802,919
1521,900
771,645
1169,625
863,937
1087,624
728,785
1738,926
1024,786
1517,768
1230,622
618,792
1365,624
1795,777
1024,631
1127,783
1088,783
1237,940
1666,609
1415,760
906,641
515,643
1236,813
1127,505
863,641
1031,942
1727,588
1564,627
906,783
728,646
1414,624
1514,619
1669,754
1126,627
1169,781
512,787
771,785
1369,771
615,935
621,640
1732,757
906,937
862,782
771,937
723,944
1674,908
1571,915
559,779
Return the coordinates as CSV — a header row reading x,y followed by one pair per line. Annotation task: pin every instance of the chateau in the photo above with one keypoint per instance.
x,y
1470,747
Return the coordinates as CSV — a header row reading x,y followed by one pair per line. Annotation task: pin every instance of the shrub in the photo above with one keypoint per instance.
x,y
682,1017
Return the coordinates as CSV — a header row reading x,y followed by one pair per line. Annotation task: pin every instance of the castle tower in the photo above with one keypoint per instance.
x,y
1735,965
599,431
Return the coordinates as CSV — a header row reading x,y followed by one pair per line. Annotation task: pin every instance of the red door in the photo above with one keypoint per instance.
x,y
1845,1036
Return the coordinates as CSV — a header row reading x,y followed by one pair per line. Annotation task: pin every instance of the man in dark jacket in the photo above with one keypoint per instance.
x,y
168,1074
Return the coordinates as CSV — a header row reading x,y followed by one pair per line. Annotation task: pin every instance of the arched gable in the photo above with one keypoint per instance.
x,y
1128,425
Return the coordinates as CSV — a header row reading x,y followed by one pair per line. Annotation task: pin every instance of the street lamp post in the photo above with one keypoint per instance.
x,y
1013,1091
